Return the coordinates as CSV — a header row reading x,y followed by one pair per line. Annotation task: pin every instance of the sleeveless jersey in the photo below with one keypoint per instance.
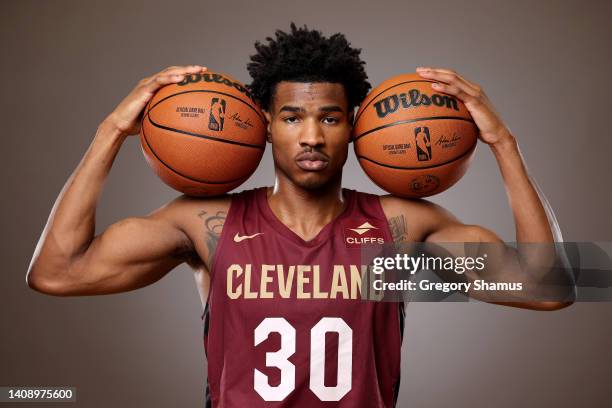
x,y
284,325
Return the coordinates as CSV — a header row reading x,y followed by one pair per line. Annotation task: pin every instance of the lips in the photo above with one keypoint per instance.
x,y
311,161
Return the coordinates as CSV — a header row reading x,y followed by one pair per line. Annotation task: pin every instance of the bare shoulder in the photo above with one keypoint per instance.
x,y
413,219
201,219
183,209
421,220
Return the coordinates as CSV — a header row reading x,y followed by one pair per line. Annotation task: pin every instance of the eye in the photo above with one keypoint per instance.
x,y
290,119
330,120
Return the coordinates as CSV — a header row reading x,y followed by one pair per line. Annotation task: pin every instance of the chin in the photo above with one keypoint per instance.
x,y
315,181
312,183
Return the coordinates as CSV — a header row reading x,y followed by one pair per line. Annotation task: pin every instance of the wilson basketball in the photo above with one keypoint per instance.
x,y
411,140
204,135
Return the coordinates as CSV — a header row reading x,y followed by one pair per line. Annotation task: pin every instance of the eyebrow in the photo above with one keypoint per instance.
x,y
329,108
291,109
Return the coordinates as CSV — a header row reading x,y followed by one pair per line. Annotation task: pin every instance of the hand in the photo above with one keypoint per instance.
x,y
492,128
127,115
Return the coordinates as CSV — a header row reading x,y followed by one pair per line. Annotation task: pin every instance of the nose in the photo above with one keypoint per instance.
x,y
311,135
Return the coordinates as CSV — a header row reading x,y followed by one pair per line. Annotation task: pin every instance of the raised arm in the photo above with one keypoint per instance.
x,y
533,226
530,218
69,259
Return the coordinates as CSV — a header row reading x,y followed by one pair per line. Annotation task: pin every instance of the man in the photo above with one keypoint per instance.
x,y
283,321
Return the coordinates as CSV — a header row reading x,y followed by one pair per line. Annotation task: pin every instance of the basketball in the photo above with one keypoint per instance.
x,y
203,136
412,141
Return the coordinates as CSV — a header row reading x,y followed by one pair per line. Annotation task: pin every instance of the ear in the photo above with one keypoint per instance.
x,y
268,126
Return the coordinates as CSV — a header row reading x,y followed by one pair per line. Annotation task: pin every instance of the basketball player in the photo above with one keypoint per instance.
x,y
283,323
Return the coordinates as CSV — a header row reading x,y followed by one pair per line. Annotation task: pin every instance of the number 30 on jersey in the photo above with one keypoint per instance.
x,y
280,359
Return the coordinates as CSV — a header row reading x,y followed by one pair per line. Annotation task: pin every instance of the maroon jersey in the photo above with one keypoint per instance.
x,y
285,325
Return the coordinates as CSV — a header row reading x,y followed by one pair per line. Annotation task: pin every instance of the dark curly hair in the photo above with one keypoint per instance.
x,y
305,55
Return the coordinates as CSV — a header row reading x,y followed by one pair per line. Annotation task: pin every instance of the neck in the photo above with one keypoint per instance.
x,y
306,211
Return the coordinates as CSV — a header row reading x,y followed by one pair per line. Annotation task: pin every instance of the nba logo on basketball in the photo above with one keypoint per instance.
x,y
217,114
357,233
422,142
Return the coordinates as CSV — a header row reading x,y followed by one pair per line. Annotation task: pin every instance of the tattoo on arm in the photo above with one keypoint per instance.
x,y
398,228
213,224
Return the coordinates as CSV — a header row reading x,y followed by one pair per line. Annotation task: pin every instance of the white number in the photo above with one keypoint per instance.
x,y
317,358
276,359
280,358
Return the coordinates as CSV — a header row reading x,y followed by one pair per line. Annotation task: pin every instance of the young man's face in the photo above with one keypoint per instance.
x,y
309,126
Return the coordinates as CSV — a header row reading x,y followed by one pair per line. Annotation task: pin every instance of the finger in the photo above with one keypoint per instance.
x,y
442,71
450,77
453,90
453,80
170,68
473,85
182,70
174,70
158,81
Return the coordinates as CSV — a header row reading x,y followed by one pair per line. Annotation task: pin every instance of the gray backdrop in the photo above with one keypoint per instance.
x,y
66,64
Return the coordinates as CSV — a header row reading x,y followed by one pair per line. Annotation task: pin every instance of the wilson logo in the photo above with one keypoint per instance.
x,y
412,99
216,78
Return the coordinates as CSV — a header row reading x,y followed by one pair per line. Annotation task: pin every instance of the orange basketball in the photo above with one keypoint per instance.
x,y
412,141
204,135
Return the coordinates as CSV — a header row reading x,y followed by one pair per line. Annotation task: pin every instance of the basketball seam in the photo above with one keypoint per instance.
x,y
263,121
216,139
144,134
403,122
468,151
385,90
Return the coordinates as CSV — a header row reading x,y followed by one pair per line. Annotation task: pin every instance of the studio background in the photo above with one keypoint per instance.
x,y
66,64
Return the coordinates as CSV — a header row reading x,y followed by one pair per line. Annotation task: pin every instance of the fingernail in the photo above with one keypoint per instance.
x,y
435,85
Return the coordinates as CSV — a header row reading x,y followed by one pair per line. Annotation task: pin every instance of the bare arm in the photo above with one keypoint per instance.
x,y
69,259
532,228
423,221
531,221
505,264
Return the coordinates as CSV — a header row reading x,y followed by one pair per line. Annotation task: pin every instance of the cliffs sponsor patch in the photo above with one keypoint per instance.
x,y
362,232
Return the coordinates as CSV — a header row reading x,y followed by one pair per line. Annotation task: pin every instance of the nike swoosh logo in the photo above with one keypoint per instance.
x,y
238,238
